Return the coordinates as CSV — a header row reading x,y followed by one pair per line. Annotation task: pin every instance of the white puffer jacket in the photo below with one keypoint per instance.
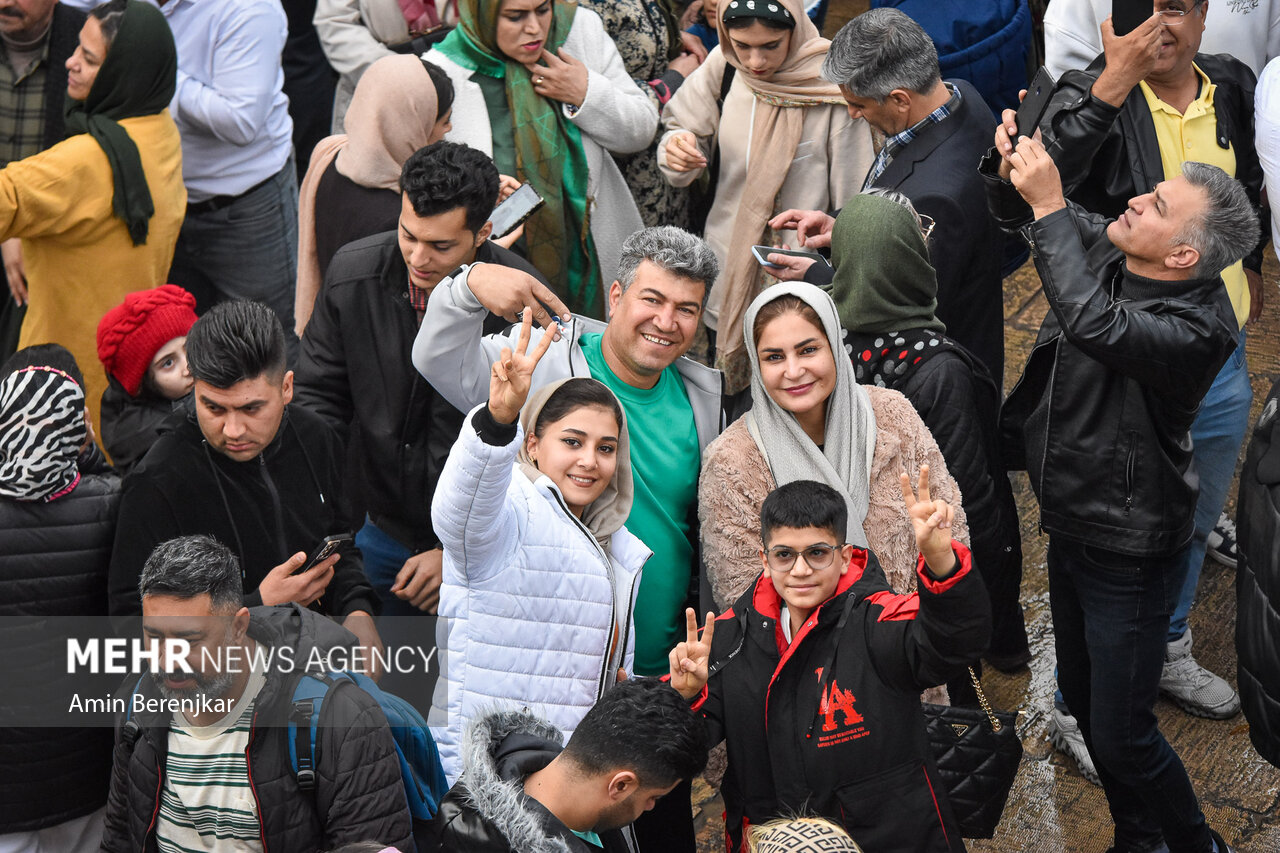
x,y
532,615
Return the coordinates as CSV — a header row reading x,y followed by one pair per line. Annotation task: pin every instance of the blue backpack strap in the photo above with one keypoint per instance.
x,y
304,719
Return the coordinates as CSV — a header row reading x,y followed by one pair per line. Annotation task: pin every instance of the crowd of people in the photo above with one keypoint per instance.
x,y
649,492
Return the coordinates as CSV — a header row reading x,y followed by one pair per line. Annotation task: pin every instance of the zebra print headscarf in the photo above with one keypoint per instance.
x,y
42,429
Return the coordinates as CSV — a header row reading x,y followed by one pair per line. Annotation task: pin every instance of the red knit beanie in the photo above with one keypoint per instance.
x,y
130,334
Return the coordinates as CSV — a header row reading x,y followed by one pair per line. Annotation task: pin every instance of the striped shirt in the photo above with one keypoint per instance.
x,y
206,802
898,141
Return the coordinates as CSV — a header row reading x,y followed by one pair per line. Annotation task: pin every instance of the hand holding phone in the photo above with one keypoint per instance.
x,y
762,253
514,209
1035,102
324,550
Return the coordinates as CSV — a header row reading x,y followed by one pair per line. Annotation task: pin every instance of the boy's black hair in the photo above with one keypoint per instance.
x,y
444,176
804,503
44,355
235,341
644,726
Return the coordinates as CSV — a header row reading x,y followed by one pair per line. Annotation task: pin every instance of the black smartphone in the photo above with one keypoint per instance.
x,y
1032,108
515,208
327,546
1127,14
762,254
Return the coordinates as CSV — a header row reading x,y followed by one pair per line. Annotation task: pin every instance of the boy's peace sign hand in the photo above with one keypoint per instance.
x,y
689,659
931,520
511,374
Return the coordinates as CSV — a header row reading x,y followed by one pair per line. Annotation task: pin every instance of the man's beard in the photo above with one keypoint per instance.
x,y
212,687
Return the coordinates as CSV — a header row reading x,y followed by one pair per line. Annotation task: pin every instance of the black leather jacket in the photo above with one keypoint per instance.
x,y
1108,155
1100,419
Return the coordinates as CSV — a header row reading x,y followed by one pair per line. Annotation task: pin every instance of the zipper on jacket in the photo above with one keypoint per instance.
x,y
1129,465
613,592
276,511
248,772
1048,419
155,813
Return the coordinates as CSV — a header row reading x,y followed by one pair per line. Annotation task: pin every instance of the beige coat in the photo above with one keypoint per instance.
x,y
830,163
735,480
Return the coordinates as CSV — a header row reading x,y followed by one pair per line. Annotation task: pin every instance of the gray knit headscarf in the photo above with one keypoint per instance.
x,y
844,461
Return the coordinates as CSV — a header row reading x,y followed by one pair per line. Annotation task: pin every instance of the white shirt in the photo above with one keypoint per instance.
x,y
230,105
1266,104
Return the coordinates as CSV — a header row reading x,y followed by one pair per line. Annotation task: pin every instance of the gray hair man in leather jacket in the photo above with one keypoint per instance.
x,y
1139,325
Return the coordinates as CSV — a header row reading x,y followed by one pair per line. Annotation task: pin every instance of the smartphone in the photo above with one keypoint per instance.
x,y
515,208
1127,14
327,546
1032,108
762,254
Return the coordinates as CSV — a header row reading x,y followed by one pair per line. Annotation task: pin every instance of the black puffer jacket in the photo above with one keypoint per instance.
x,y
1100,419
1108,155
53,562
487,811
130,425
1258,582
356,366
359,794
285,500
830,724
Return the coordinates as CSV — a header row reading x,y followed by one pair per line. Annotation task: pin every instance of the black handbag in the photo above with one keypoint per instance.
x,y
977,753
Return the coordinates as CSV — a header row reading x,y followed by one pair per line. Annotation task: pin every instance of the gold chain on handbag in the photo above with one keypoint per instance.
x,y
982,700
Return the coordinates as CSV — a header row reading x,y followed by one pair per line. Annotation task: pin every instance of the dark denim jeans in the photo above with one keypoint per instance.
x,y
245,250
1110,623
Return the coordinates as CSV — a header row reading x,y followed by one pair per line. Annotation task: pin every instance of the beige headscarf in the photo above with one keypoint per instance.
x,y
775,134
392,114
607,513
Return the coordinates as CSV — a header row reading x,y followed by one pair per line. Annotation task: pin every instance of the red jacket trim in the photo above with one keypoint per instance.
x,y
963,556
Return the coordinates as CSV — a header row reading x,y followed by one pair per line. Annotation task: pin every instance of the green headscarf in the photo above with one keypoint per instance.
x,y
137,78
884,281
549,154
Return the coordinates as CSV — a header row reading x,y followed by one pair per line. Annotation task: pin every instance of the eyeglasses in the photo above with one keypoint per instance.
x,y
1174,17
817,557
926,224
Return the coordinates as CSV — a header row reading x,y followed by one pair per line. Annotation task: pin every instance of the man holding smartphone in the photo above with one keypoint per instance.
x,y
355,372
1147,105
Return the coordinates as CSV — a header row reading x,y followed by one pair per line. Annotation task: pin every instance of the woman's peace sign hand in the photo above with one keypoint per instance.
x,y
511,374
931,521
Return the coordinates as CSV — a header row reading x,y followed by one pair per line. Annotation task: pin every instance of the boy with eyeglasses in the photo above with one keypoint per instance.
x,y
813,676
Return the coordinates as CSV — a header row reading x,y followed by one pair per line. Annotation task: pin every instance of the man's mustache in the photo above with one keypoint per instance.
x,y
11,12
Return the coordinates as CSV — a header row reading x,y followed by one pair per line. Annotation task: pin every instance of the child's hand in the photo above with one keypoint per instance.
x,y
511,374
931,520
689,659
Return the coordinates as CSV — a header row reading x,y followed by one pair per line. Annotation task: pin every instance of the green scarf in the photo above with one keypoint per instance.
x,y
884,281
549,155
137,78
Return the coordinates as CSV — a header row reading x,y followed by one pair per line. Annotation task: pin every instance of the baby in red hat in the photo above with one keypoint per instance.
x,y
142,346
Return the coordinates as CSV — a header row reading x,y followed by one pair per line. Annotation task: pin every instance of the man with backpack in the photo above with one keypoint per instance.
x,y
204,756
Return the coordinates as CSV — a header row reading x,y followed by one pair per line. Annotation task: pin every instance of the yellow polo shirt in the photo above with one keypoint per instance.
x,y
1193,135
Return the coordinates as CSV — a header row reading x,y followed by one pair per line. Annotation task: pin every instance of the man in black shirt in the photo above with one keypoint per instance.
x,y
355,371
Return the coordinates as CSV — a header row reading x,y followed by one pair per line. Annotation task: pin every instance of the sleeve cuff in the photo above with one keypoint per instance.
x,y
492,432
939,585
253,599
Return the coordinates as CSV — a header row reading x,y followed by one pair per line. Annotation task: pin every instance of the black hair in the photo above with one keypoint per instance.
x,y
741,22
576,394
444,88
235,341
447,175
190,566
803,503
644,726
109,16
44,355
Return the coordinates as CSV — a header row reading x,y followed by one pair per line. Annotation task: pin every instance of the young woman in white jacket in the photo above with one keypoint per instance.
x,y
540,87
540,576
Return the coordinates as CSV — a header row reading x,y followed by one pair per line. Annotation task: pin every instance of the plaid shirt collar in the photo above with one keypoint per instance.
x,y
897,142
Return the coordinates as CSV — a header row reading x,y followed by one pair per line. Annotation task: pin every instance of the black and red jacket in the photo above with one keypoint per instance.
x,y
831,724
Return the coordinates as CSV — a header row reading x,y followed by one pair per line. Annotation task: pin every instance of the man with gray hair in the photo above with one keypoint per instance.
x,y
203,759
673,407
935,132
1139,325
